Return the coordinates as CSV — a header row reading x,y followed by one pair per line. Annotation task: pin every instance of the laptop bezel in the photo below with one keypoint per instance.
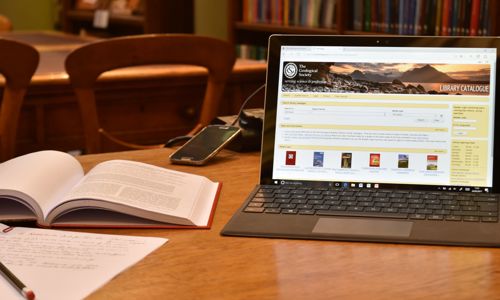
x,y
272,79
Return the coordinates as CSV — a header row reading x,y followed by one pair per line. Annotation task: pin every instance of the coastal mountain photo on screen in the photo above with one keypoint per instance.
x,y
386,78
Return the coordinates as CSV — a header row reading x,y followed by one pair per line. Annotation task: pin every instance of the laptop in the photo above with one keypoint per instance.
x,y
379,139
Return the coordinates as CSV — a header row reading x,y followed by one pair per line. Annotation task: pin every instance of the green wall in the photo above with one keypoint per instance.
x,y
211,18
30,14
210,15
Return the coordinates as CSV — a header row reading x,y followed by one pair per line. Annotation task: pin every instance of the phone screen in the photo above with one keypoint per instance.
x,y
205,144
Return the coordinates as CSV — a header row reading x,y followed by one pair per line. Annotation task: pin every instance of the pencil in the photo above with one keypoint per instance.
x,y
18,284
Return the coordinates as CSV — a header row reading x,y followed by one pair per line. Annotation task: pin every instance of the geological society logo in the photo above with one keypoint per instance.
x,y
290,70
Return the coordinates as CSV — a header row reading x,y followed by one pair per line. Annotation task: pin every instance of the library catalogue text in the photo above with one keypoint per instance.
x,y
419,115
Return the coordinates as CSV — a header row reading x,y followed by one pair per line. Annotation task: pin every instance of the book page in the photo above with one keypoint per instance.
x,y
142,190
67,265
42,177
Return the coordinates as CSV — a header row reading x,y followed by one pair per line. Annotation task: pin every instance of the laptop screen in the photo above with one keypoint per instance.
x,y
382,114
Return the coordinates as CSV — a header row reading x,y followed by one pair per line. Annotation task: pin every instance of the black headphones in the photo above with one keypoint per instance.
x,y
250,137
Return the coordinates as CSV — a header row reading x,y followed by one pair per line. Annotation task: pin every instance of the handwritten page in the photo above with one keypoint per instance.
x,y
67,265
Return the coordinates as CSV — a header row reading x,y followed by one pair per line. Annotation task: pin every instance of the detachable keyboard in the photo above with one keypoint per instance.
x,y
377,203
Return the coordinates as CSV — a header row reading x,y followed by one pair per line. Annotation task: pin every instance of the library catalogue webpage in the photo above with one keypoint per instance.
x,y
382,116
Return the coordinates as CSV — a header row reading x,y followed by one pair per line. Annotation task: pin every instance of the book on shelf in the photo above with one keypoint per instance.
x,y
306,13
420,17
253,52
50,187
474,17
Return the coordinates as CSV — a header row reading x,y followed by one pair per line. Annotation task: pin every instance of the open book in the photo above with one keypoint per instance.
x,y
51,188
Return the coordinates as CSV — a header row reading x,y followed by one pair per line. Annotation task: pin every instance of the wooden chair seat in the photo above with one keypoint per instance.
x,y
18,62
85,64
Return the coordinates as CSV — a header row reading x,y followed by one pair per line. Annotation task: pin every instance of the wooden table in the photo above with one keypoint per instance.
x,y
143,104
201,264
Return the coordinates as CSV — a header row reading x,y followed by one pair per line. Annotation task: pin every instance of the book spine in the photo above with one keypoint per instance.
x,y
422,17
374,16
357,10
296,11
280,12
269,16
418,13
432,17
258,11
303,12
402,8
367,15
460,22
407,17
381,15
255,11
395,16
468,16
328,13
311,7
474,17
454,19
425,16
411,17
275,13
445,19
388,16
244,13
439,14
286,12
483,15
317,13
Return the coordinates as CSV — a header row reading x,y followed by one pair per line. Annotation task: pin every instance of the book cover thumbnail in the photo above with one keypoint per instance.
x,y
403,161
318,159
374,159
346,160
290,158
432,162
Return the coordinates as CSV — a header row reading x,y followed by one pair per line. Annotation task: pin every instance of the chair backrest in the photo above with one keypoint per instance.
x,y
85,64
18,63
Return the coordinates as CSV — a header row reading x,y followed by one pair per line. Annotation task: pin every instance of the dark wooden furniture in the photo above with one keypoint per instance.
x,y
85,64
145,105
18,62
201,264
156,16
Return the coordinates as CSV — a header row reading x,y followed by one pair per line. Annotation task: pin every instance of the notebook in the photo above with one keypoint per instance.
x,y
381,139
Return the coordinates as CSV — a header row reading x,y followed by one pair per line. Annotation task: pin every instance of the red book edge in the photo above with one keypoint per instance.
x,y
445,19
474,18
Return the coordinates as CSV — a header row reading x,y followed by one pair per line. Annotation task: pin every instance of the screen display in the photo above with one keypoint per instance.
x,y
386,115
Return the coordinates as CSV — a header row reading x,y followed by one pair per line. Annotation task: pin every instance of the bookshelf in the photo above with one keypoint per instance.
x,y
252,21
153,16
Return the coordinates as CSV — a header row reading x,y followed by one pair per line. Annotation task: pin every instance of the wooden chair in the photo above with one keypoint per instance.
x,y
18,62
85,64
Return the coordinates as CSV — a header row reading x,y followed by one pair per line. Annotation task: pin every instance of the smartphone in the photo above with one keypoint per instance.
x,y
204,145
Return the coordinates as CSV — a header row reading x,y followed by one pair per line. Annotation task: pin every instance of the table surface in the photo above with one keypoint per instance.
x,y
201,264
55,46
